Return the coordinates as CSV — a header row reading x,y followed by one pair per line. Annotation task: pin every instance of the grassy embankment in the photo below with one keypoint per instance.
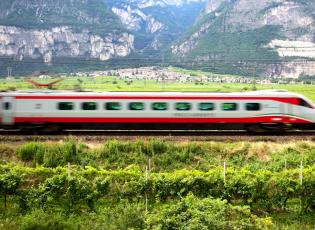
x,y
108,185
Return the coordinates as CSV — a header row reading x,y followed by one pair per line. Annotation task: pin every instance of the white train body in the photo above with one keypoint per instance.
x,y
158,110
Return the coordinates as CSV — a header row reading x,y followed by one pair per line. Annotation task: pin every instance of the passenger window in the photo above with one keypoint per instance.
x,y
136,106
183,106
65,106
206,106
159,106
89,106
6,105
113,106
38,106
229,106
253,106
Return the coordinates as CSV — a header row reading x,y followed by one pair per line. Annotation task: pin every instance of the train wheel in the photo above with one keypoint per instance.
x,y
50,129
266,128
42,129
255,129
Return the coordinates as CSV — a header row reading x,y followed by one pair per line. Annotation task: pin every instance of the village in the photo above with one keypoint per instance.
x,y
173,75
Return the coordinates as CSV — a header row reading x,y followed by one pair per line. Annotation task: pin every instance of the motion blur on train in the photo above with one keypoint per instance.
x,y
259,111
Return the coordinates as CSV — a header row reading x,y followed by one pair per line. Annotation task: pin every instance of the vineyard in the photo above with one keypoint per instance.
x,y
155,184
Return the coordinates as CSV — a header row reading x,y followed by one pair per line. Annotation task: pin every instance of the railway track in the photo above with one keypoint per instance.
x,y
207,135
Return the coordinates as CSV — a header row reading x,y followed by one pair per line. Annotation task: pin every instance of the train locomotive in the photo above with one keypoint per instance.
x,y
258,111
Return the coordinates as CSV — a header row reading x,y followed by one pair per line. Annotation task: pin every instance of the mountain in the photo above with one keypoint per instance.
x,y
270,37
71,35
49,31
156,23
274,36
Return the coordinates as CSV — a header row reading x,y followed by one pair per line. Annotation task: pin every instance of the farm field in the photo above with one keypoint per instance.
x,y
110,83
155,184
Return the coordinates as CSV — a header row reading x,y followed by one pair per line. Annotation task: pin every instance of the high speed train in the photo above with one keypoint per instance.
x,y
268,110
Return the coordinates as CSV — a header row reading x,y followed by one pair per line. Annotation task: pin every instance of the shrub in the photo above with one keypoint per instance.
x,y
53,157
114,148
70,151
119,216
31,151
207,213
158,146
307,190
69,192
40,220
102,186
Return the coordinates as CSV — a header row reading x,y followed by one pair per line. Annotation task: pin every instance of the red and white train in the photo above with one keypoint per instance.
x,y
255,111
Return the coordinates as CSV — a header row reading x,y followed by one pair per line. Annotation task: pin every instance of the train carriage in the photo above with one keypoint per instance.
x,y
271,110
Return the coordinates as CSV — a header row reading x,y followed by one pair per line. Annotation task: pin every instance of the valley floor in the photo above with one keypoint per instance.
x,y
109,83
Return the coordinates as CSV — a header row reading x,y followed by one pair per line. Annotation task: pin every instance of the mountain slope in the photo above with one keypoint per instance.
x,y
51,31
156,23
44,14
250,31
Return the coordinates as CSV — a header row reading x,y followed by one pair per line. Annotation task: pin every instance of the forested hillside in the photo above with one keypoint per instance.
x,y
263,32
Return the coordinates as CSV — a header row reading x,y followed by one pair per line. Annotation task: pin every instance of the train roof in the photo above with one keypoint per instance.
x,y
260,93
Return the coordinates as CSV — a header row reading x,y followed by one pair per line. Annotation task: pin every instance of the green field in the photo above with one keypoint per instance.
x,y
107,83
108,187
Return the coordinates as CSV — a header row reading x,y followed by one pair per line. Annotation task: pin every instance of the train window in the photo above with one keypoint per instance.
x,y
38,106
136,106
113,106
89,106
229,106
206,106
183,106
159,106
6,105
253,106
65,106
304,103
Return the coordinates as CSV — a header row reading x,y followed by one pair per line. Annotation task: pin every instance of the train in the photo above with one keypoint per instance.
x,y
257,111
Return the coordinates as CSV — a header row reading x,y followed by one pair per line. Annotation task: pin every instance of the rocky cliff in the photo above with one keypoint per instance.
x,y
259,32
49,44
52,29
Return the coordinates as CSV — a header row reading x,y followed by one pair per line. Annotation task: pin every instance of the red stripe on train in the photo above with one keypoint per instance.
x,y
285,100
264,119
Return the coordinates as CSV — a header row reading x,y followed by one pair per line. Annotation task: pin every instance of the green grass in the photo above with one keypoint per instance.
x,y
293,220
109,83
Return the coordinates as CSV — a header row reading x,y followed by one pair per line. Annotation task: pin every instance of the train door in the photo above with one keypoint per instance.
x,y
7,110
